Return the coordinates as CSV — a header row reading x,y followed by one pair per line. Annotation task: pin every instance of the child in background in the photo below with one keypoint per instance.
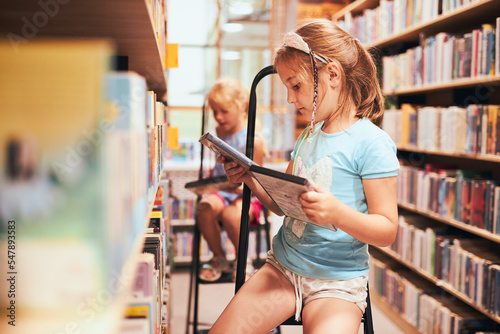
x,y
315,273
228,100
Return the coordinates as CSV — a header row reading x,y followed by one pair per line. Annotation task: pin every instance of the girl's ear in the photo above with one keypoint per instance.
x,y
333,74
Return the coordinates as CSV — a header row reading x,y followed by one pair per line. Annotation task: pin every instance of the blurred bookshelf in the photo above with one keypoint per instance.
x,y
83,138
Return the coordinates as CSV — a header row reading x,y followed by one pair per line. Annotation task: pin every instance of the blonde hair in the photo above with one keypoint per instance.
x,y
361,89
229,91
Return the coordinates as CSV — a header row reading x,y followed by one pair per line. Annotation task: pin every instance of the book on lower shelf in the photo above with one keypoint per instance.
x,y
466,196
422,304
467,266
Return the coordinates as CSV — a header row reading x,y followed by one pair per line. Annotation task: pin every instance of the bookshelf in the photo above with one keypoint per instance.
x,y
474,11
131,26
96,140
412,31
439,283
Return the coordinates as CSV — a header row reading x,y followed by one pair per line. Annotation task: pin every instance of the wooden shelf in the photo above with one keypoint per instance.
x,y
458,83
445,286
182,222
355,8
455,223
392,314
483,10
122,21
476,157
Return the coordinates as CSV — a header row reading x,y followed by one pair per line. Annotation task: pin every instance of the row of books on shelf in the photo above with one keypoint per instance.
x,y
471,130
423,304
183,246
470,197
134,146
443,58
148,309
389,18
158,9
468,266
182,208
392,17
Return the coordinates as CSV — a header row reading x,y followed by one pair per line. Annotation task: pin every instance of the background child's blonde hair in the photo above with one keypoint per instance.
x,y
229,91
361,89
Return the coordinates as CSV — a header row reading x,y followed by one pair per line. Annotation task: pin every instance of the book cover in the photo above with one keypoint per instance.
x,y
222,148
211,185
496,213
472,128
497,140
497,47
478,189
448,207
474,52
467,55
484,129
285,189
485,56
458,199
479,62
408,113
490,62
489,203
465,201
491,128
479,129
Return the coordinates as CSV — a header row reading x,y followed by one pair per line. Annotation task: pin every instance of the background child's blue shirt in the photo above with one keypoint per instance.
x,y
239,142
339,162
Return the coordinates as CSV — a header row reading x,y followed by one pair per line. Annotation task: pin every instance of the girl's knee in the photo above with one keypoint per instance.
x,y
211,206
231,214
203,208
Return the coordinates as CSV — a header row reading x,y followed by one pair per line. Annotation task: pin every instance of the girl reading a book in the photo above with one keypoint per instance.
x,y
314,273
228,99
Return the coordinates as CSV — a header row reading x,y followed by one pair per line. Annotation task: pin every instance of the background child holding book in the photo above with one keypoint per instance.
x,y
318,274
228,99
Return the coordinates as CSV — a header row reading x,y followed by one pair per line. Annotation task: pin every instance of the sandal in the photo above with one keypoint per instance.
x,y
213,270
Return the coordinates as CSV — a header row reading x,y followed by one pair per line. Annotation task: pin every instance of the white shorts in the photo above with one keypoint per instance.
x,y
308,289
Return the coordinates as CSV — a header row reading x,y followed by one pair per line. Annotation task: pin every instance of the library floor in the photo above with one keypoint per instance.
x,y
214,297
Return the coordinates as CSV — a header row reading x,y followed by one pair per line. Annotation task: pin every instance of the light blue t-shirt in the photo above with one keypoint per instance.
x,y
339,162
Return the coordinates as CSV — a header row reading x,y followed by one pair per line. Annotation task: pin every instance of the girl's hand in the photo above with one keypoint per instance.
x,y
319,205
234,172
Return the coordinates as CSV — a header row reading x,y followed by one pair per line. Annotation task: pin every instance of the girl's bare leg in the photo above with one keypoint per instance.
x,y
208,212
231,221
263,302
331,315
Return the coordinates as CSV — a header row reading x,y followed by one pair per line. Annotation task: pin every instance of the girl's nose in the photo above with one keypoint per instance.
x,y
217,116
290,98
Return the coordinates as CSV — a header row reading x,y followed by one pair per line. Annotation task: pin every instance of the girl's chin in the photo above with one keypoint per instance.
x,y
306,114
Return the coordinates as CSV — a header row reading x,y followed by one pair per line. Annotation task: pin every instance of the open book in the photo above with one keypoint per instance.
x,y
211,185
284,189
220,147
